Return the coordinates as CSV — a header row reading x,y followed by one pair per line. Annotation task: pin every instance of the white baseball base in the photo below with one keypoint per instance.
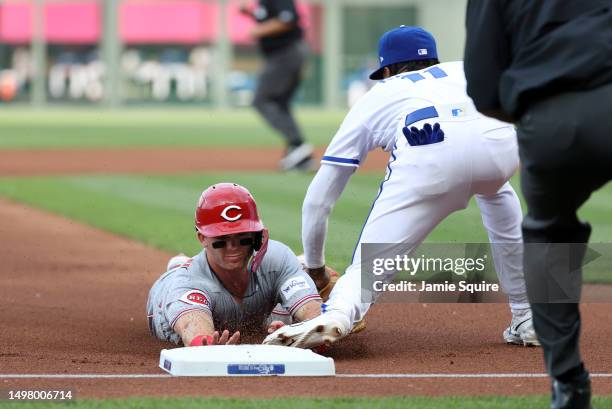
x,y
245,360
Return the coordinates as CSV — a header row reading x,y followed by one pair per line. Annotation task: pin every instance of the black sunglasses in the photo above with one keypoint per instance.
x,y
245,241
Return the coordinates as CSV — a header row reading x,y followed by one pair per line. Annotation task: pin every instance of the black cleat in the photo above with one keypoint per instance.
x,y
571,395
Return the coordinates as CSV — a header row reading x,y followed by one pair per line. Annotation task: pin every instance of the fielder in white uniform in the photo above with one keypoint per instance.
x,y
443,152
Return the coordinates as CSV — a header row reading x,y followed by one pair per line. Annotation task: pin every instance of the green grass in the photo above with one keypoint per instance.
x,y
496,402
58,128
158,210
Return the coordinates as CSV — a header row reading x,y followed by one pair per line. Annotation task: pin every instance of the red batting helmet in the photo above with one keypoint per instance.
x,y
226,208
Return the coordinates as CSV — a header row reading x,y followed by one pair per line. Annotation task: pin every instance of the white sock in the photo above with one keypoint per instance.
x,y
519,309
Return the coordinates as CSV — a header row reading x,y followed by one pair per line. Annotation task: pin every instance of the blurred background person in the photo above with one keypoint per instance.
x,y
284,51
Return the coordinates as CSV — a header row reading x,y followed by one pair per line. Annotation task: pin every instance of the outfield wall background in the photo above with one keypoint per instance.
x,y
118,52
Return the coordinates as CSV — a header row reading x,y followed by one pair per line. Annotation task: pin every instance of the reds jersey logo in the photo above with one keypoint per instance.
x,y
237,215
195,297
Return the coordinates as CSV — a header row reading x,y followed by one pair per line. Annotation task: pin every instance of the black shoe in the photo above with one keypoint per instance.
x,y
571,395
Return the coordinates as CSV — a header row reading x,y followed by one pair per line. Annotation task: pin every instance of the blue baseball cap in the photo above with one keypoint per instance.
x,y
404,43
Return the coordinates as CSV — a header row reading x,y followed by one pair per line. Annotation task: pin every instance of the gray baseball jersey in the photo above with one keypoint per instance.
x,y
193,286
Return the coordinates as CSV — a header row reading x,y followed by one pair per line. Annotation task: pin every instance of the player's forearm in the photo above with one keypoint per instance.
x,y
323,193
308,311
271,28
194,324
314,232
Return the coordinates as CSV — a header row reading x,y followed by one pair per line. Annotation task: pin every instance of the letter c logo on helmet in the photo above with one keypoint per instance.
x,y
229,218
228,208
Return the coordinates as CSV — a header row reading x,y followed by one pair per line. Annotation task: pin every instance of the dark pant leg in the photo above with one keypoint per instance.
x,y
552,270
278,82
565,145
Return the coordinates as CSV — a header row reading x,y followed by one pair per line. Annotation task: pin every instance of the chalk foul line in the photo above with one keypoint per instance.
x,y
370,375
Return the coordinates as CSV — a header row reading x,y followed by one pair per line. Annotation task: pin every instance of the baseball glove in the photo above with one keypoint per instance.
x,y
326,291
333,278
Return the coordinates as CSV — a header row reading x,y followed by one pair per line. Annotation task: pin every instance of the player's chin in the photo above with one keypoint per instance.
x,y
235,262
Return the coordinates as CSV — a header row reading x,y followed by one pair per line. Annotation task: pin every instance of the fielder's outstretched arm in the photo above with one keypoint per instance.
x,y
323,193
370,124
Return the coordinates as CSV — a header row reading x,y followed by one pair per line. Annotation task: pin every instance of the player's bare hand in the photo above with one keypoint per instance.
x,y
225,339
274,325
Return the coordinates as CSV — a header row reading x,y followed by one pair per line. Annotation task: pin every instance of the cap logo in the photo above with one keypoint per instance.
x,y
382,58
422,51
231,218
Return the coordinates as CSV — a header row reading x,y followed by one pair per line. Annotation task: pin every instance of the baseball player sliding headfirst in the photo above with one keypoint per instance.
x,y
234,283
443,152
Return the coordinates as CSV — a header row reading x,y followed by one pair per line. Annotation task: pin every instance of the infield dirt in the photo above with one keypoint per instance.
x,y
72,302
